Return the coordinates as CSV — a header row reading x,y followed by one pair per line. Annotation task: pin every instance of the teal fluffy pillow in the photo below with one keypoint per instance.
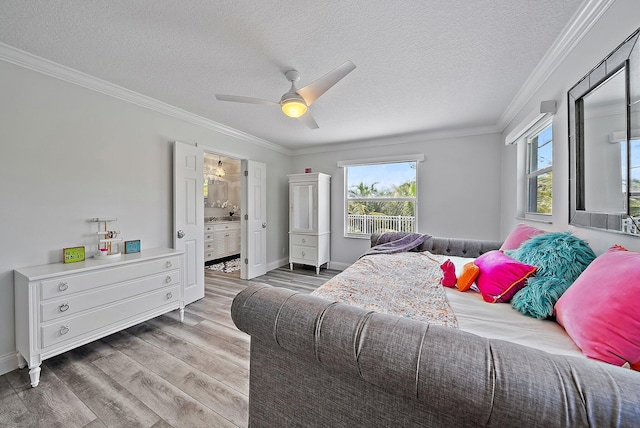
x,y
560,258
539,297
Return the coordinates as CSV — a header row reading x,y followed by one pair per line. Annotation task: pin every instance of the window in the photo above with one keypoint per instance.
x,y
634,179
380,197
539,174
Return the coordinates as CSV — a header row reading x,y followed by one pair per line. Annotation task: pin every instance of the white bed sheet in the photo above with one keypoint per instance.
x,y
501,321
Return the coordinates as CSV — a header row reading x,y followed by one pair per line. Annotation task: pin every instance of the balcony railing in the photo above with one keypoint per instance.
x,y
631,225
368,224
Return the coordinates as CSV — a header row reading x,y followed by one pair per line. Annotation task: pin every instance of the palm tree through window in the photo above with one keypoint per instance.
x,y
380,197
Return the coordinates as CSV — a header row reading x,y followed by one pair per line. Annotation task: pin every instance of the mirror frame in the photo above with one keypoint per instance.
x,y
620,58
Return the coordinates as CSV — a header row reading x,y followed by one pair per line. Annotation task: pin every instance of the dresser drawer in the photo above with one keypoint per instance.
x,y
67,285
304,253
304,240
79,302
74,326
226,226
208,236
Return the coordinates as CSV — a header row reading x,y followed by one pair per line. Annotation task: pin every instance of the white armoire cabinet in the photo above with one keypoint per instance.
x,y
309,219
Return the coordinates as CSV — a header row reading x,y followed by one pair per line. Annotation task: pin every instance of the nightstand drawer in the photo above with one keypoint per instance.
x,y
304,240
304,253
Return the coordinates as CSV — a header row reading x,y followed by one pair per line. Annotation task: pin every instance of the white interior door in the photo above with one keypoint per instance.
x,y
188,216
254,224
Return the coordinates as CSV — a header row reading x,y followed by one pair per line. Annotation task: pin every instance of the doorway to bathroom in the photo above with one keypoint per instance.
x,y
222,213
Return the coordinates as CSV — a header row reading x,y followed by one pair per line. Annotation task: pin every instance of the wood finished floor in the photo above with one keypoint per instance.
x,y
159,373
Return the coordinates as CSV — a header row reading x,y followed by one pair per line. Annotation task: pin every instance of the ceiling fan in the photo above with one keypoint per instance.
x,y
295,103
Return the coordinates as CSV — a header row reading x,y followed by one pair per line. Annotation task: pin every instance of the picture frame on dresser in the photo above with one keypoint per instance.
x,y
131,247
73,254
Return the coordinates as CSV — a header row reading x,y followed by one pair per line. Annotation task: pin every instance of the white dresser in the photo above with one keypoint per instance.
x,y
309,219
59,306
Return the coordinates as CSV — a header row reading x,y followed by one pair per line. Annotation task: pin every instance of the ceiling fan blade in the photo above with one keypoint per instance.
x,y
312,91
308,120
248,100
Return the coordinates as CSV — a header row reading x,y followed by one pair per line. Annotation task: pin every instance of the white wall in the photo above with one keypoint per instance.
x,y
619,21
70,154
458,186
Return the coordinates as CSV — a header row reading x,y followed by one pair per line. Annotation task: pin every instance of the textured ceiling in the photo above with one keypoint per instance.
x,y
422,66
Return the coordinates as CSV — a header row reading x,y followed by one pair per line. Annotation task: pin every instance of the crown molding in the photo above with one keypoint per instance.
x,y
582,21
418,137
41,65
589,13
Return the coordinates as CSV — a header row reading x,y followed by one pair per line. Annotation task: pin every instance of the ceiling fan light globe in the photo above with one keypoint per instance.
x,y
294,108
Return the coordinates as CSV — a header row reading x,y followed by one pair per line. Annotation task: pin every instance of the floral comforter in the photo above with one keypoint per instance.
x,y
404,284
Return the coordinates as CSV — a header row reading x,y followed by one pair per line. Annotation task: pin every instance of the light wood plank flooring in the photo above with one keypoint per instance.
x,y
159,373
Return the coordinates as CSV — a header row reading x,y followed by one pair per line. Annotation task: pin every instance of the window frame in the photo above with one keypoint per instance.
x,y
371,162
532,133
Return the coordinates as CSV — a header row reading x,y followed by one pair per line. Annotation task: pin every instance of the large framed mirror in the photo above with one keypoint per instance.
x,y
604,143
217,194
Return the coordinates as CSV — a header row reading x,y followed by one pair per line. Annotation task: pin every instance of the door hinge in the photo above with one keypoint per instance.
x,y
246,173
246,261
246,216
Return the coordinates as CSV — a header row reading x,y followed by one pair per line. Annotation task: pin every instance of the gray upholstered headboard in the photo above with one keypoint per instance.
x,y
453,246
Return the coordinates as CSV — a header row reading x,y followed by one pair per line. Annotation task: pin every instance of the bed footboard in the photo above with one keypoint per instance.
x,y
316,363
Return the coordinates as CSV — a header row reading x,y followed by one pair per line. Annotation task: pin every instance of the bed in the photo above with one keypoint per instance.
x,y
335,359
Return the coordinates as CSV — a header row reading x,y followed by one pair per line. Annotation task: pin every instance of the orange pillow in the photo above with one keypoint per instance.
x,y
469,274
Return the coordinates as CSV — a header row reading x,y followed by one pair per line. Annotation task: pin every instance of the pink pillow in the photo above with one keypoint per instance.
x,y
600,310
501,276
521,233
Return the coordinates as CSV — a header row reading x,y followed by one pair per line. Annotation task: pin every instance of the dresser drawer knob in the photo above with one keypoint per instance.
x,y
64,307
169,296
167,279
303,254
63,286
168,264
304,240
64,330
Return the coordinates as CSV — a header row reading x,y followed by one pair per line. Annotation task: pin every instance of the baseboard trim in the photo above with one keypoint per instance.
x,y
338,265
285,262
276,264
8,363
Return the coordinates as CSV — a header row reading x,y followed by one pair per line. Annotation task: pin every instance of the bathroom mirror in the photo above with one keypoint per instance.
x,y
218,193
604,152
